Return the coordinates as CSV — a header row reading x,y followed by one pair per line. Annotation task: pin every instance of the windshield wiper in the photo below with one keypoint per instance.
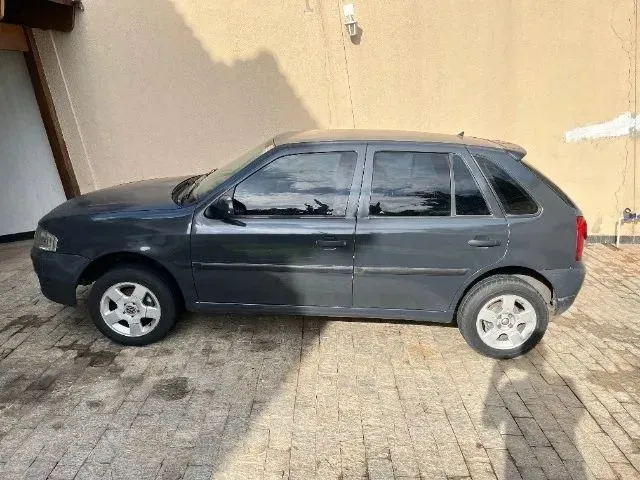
x,y
180,187
191,189
179,191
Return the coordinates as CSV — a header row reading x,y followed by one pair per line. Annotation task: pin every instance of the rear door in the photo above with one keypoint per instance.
x,y
291,240
425,225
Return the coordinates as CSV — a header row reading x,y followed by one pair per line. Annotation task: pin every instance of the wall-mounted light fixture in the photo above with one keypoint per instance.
x,y
350,19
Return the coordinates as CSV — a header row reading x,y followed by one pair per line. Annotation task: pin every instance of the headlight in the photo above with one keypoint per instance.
x,y
45,240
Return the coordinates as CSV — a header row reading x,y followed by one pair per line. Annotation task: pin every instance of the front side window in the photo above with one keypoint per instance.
x,y
469,199
410,184
299,184
514,198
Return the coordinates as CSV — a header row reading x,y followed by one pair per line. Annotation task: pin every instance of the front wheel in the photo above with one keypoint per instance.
x,y
503,317
132,305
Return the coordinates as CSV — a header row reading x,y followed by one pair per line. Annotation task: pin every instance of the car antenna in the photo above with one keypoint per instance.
x,y
461,134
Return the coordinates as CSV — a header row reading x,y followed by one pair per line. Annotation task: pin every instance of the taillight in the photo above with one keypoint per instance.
x,y
581,236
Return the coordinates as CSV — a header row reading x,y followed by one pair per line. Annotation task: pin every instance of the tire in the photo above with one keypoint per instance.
x,y
146,309
487,308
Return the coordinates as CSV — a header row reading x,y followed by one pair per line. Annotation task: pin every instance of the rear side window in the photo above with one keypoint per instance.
x,y
514,198
469,199
416,184
544,179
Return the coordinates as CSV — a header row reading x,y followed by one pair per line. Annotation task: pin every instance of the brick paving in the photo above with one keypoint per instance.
x,y
286,397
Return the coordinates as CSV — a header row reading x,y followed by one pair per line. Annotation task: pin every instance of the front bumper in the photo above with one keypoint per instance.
x,y
566,285
58,274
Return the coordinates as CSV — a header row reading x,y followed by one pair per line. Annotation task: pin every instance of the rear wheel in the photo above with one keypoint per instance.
x,y
503,317
132,305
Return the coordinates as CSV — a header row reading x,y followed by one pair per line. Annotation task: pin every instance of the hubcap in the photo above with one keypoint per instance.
x,y
130,309
506,322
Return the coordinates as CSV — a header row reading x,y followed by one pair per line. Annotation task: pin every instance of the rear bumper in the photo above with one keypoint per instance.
x,y
566,285
58,274
563,304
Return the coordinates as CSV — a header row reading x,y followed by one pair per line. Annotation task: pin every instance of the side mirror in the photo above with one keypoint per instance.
x,y
222,208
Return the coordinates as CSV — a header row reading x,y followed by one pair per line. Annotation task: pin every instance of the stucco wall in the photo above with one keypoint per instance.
x,y
163,87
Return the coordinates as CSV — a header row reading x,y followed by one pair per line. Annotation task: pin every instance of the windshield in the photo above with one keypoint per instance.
x,y
214,178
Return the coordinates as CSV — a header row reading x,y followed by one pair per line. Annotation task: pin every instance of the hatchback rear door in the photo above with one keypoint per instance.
x,y
425,225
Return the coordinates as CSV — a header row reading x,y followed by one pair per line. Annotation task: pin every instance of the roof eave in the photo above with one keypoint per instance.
x,y
44,14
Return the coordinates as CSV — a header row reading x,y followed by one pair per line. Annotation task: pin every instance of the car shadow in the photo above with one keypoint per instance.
x,y
530,427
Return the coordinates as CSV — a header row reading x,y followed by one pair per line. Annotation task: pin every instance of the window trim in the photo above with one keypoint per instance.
x,y
537,213
354,180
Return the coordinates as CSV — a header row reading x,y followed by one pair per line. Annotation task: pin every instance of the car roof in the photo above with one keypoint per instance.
x,y
355,135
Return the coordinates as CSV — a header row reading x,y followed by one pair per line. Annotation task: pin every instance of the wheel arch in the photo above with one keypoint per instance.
x,y
529,275
102,264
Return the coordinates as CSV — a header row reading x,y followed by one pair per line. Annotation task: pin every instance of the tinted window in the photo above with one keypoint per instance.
x,y
565,198
469,199
300,184
410,184
514,199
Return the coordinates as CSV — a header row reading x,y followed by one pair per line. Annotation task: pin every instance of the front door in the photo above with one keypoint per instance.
x,y
291,239
424,226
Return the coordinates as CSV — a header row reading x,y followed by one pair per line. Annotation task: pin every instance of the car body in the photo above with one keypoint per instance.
x,y
385,224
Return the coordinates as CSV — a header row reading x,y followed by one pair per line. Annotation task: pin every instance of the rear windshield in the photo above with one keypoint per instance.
x,y
551,185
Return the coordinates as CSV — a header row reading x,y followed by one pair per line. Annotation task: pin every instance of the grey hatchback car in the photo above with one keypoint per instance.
x,y
396,225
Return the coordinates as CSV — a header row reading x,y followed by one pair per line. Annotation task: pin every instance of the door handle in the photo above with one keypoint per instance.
x,y
483,242
331,243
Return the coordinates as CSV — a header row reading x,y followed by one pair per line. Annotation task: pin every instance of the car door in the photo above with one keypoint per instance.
x,y
291,238
425,225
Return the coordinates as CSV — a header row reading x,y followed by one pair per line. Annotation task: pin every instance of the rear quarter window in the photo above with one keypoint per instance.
x,y
513,197
549,183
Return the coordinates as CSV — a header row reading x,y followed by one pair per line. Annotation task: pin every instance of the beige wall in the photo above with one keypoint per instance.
x,y
163,87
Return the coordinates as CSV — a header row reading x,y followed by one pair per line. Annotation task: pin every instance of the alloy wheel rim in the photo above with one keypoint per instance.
x,y
506,322
130,309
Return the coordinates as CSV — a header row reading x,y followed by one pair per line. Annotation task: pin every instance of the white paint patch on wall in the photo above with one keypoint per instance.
x,y
620,126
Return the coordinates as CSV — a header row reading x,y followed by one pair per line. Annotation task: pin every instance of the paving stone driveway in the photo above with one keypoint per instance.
x,y
286,397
